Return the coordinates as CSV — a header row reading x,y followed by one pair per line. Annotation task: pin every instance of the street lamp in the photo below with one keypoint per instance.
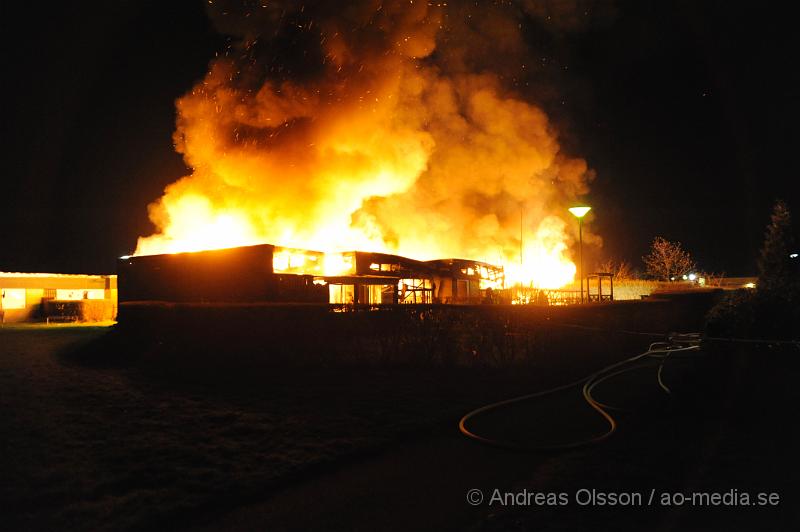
x,y
579,213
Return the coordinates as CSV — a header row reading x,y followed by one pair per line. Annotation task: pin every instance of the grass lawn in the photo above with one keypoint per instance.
x,y
96,445
103,431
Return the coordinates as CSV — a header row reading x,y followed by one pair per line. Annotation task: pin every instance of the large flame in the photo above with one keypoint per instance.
x,y
385,136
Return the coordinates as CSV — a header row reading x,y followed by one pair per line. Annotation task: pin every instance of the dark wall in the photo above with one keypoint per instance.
x,y
236,274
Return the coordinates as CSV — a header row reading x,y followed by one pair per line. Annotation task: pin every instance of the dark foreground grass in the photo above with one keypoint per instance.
x,y
189,412
104,431
727,429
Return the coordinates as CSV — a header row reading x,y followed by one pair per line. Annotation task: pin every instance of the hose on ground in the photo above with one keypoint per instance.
x,y
677,343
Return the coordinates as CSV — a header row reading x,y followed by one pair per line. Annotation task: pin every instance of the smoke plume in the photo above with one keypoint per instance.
x,y
378,125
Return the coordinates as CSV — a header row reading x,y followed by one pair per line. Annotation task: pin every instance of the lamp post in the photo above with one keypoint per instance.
x,y
579,213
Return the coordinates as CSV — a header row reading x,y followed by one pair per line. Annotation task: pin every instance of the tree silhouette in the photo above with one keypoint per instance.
x,y
667,261
773,309
621,269
774,263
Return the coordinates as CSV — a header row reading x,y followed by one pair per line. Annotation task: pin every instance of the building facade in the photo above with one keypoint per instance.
x,y
46,296
267,273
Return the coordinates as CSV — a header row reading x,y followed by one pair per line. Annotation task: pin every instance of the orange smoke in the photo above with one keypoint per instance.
x,y
373,142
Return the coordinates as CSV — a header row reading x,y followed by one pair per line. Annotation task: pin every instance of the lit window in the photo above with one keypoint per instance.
x,y
12,298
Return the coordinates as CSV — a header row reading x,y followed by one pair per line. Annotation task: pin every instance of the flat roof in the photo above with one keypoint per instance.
x,y
65,275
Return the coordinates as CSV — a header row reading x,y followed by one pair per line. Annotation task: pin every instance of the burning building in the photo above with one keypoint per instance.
x,y
242,274
268,273
395,126
380,278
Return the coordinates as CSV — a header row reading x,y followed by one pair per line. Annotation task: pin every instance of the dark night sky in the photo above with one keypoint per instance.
x,y
685,110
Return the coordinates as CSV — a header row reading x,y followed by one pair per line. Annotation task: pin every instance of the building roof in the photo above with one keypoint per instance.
x,y
50,275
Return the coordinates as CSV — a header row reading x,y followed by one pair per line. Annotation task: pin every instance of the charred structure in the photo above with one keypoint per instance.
x,y
243,274
267,273
386,126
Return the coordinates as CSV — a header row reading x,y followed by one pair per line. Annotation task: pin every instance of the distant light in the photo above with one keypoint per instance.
x,y
671,278
750,285
685,277
579,212
692,277
793,255
125,257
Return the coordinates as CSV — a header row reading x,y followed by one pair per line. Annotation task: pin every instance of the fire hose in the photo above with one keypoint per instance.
x,y
661,351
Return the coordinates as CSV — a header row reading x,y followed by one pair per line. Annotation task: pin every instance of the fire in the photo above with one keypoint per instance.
x,y
195,225
339,263
297,261
544,262
377,145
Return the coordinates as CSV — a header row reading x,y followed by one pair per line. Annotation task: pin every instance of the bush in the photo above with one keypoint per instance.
x,y
767,314
772,310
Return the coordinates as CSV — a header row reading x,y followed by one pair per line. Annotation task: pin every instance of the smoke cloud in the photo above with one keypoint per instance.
x,y
389,125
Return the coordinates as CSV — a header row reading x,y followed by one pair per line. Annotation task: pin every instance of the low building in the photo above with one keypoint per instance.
x,y
54,296
267,273
241,274
378,279
464,281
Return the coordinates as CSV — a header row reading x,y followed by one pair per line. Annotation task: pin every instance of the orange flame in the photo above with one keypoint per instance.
x,y
382,150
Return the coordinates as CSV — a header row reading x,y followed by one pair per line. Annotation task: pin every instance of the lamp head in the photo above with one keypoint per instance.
x,y
579,212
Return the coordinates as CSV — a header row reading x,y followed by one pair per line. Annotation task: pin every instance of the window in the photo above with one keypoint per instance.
x,y
384,267
374,294
415,291
84,293
342,293
12,298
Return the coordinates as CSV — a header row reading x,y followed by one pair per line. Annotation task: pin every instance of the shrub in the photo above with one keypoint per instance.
x,y
767,314
772,310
